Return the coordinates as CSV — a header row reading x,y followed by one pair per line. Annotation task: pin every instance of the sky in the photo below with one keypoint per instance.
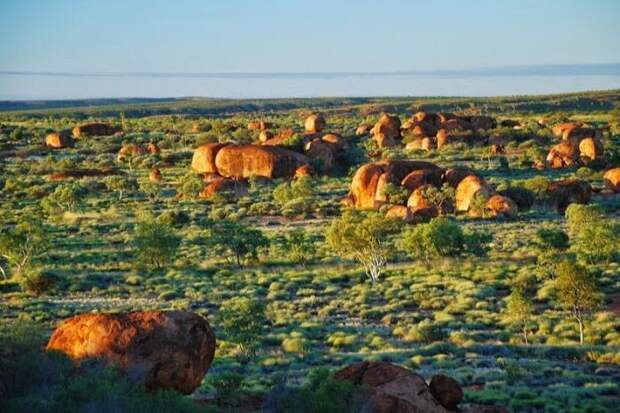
x,y
232,36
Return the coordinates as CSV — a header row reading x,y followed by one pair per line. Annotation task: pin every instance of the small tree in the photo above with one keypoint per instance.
x,y
520,310
156,242
66,197
23,243
364,238
442,237
598,241
235,240
578,292
298,246
580,216
120,184
191,185
551,244
242,320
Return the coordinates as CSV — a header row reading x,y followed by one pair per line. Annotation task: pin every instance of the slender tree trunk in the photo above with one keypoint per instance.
x,y
580,321
525,335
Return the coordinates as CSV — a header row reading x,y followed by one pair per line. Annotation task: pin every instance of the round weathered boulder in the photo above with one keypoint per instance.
x,y
446,390
155,175
315,123
569,191
470,187
393,389
203,160
57,140
590,149
612,179
499,205
162,349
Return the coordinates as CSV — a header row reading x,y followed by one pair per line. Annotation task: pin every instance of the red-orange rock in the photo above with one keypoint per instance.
x,y
303,171
81,173
169,350
245,161
129,150
612,179
442,138
363,129
400,212
155,175
564,154
454,176
389,126
224,186
203,160
57,140
590,149
259,125
315,123
427,144
384,140
94,129
338,142
469,188
393,389
322,153
446,391
499,205
370,179
265,135
564,128
153,148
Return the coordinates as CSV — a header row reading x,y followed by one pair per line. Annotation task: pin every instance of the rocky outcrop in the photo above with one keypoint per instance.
x,y
370,180
386,131
260,125
163,350
562,155
94,129
446,391
590,150
500,205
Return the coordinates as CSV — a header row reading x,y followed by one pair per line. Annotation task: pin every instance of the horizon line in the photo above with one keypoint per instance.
x,y
579,69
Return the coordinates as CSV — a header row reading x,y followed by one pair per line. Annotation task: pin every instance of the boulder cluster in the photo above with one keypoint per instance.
x,y
580,145
395,389
94,129
428,130
371,183
162,350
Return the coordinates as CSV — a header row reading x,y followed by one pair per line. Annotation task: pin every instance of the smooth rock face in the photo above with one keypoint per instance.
x,y
467,189
394,389
94,129
446,390
58,140
314,123
169,350
245,161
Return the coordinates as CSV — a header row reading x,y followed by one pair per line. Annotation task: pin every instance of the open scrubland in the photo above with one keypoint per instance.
x,y
476,238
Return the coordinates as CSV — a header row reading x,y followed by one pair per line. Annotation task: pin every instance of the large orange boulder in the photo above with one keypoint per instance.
x,y
482,122
392,389
163,350
562,155
469,188
323,153
94,129
389,126
499,205
315,123
245,161
569,191
590,149
384,140
203,160
442,138
612,179
131,150
57,140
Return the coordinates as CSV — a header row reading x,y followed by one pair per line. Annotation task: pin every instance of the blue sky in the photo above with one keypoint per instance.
x,y
301,36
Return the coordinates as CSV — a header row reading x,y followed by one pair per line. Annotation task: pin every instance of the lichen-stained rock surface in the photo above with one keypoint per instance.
x,y
167,350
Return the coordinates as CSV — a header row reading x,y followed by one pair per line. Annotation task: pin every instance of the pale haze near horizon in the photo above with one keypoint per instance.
x,y
284,36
